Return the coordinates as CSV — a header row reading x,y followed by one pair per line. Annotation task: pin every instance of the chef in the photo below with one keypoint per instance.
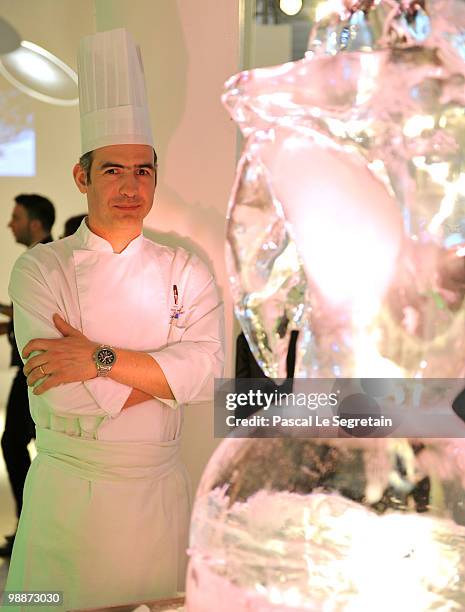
x,y
117,334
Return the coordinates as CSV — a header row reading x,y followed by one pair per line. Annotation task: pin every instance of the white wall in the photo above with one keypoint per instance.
x,y
271,45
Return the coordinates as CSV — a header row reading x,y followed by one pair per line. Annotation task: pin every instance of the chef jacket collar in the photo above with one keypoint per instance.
x,y
91,242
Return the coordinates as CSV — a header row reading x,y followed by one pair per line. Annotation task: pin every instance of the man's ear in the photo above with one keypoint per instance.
x,y
80,178
36,226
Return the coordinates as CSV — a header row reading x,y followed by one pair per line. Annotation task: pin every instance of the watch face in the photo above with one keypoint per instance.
x,y
106,356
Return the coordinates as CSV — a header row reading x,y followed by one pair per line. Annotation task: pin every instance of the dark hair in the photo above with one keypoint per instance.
x,y
85,161
38,207
72,224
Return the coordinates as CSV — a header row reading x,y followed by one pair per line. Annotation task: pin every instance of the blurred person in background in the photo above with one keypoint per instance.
x,y
72,224
31,223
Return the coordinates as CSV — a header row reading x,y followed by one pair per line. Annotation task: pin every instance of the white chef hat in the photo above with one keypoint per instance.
x,y
112,95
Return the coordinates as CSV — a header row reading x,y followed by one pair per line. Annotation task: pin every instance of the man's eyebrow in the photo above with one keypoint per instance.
x,y
110,164
147,165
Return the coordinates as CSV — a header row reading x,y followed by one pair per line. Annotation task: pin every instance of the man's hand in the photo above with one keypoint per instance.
x,y
62,360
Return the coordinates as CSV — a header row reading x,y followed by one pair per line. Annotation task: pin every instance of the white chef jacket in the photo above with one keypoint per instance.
x,y
125,300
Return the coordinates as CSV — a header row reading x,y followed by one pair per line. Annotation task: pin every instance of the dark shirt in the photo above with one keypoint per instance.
x,y
246,365
247,368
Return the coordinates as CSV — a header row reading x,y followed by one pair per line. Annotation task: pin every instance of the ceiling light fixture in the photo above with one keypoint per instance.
x,y
290,7
34,70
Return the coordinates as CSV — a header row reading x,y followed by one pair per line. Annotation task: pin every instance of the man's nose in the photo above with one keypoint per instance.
x,y
129,185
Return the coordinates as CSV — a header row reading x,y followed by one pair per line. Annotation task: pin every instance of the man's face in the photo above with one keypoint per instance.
x,y
20,225
120,192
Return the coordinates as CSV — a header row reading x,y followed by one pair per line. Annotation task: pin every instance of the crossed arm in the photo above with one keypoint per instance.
x,y
69,359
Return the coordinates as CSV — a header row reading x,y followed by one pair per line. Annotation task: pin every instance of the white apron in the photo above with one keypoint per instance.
x,y
103,485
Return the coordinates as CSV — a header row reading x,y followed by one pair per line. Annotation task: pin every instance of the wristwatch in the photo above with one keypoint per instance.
x,y
104,358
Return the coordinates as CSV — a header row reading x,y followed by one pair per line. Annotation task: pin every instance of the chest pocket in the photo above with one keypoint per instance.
x,y
178,299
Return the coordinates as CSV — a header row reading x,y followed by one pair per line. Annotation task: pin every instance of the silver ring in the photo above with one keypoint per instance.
x,y
42,370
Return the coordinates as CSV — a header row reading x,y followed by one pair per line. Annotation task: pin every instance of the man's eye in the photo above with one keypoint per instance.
x,y
143,172
110,171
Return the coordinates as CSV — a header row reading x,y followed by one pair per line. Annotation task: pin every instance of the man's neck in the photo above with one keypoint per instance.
x,y
118,238
38,238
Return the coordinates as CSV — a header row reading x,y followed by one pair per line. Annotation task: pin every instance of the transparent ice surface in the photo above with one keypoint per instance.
x,y
336,525
346,220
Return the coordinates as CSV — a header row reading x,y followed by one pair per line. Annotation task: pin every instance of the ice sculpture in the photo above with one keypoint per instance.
x,y
347,222
295,525
347,216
